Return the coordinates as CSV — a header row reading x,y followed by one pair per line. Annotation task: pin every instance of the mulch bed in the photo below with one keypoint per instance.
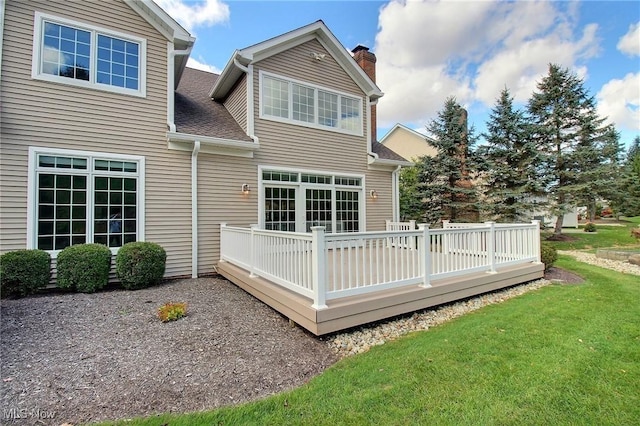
x,y
93,357
562,275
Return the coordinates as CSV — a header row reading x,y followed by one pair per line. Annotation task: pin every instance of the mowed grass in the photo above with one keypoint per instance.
x,y
606,236
561,355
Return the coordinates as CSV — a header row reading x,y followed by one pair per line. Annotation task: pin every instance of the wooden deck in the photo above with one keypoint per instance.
x,y
346,312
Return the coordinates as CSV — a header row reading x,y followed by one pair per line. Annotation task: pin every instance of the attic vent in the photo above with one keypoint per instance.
x,y
318,56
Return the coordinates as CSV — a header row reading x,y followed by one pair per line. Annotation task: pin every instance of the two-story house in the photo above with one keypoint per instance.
x,y
102,124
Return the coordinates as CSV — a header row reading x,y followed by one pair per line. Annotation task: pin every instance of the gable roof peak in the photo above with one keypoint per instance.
x,y
265,49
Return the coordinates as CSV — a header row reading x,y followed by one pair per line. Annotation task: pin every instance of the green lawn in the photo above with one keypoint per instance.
x,y
561,355
605,237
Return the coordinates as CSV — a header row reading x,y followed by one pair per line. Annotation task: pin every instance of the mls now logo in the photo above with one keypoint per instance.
x,y
14,413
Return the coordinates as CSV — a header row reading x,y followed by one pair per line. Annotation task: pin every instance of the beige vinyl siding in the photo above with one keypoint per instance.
x,y
313,148
409,145
379,209
43,114
236,103
220,199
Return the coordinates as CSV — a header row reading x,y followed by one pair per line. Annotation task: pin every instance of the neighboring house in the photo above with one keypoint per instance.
x,y
408,143
101,122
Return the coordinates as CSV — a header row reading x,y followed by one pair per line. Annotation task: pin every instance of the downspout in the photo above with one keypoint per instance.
x,y
250,106
395,196
369,140
194,209
171,63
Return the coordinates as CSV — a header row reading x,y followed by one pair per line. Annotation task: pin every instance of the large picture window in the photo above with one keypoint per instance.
x,y
295,102
81,197
83,55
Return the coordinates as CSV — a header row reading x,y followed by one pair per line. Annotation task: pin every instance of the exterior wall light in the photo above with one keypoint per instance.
x,y
245,188
373,194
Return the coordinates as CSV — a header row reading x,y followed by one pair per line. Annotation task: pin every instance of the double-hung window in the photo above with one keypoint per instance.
x,y
78,197
308,105
87,56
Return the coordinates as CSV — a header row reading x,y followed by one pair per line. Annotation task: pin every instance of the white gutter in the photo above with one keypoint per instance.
x,y
395,194
248,70
171,61
194,209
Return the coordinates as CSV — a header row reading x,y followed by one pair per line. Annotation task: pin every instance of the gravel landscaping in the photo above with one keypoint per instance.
x,y
91,357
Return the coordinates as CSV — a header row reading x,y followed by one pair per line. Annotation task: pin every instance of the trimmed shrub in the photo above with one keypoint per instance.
x,y
589,227
23,272
140,264
84,267
548,255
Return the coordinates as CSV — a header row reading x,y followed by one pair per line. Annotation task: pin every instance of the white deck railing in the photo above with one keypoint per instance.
x,y
325,266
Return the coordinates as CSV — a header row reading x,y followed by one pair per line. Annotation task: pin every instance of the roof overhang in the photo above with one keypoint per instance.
x,y
258,52
211,145
374,160
169,28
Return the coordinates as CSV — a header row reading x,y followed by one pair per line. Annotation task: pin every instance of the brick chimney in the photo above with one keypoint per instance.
x,y
367,61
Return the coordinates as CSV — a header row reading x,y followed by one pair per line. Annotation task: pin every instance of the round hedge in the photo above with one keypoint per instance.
x,y
140,264
84,267
548,255
23,272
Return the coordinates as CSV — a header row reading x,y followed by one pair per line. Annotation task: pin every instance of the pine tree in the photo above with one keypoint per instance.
x,y
627,201
410,197
509,159
567,131
445,180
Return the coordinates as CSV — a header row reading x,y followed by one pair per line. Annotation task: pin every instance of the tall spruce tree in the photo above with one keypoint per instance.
x,y
509,160
627,201
566,130
445,179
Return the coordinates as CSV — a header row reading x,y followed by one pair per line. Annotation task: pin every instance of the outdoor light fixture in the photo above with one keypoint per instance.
x,y
373,194
245,188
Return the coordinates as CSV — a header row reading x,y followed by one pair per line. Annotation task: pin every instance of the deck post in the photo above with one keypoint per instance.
x,y
222,247
491,247
252,251
426,256
536,241
412,225
319,267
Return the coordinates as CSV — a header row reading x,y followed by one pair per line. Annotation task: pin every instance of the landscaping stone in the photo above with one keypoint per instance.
x,y
634,259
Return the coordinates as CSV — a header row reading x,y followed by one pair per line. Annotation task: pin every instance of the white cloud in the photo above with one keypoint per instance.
x,y
200,65
630,42
620,101
429,50
191,14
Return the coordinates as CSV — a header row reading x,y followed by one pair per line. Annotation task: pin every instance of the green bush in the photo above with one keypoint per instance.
x,y
140,264
589,227
84,267
23,272
548,255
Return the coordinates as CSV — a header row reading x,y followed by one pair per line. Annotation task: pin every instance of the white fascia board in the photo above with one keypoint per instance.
x,y
228,77
161,21
382,162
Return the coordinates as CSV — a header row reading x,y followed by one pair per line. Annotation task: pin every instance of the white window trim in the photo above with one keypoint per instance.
x,y
32,190
300,198
315,124
91,84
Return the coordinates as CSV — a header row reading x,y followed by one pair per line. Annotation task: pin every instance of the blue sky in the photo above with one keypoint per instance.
x,y
429,50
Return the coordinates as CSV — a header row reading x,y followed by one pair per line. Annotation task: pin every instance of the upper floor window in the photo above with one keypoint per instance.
x,y
300,103
87,56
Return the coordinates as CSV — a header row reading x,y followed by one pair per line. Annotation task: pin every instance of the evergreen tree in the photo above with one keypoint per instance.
x,y
627,202
509,163
445,180
568,134
410,197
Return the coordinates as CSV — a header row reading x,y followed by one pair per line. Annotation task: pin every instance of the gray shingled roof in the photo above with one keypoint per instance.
x,y
385,153
197,114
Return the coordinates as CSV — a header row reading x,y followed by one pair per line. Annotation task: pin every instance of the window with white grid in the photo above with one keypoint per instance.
x,y
275,97
280,209
294,102
81,197
347,211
